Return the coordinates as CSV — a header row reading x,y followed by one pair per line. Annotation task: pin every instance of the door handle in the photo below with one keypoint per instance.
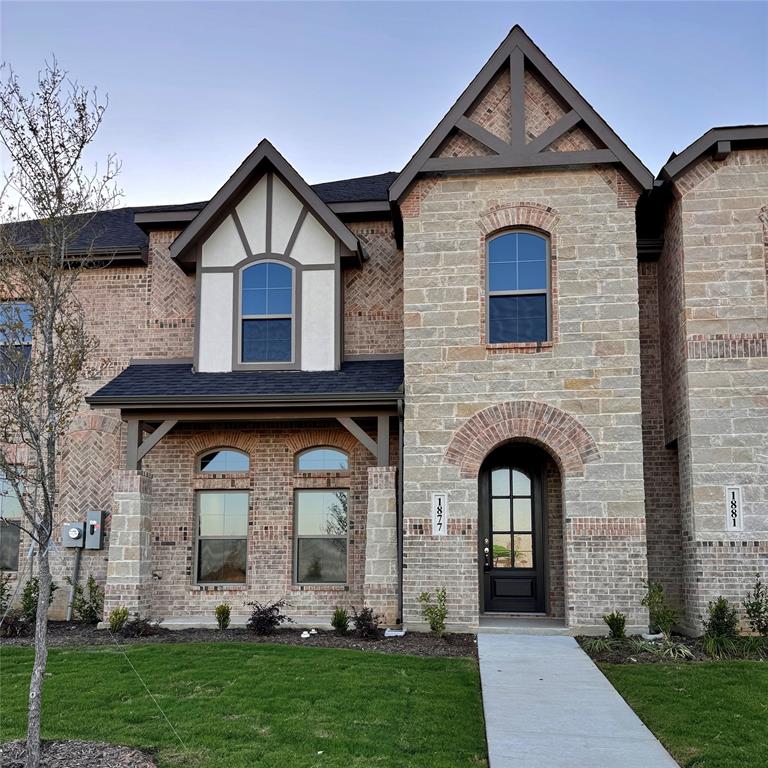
x,y
487,554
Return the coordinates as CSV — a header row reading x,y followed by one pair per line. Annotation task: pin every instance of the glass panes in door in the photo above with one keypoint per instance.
x,y
511,519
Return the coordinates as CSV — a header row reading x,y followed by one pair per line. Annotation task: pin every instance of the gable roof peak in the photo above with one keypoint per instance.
x,y
518,54
265,156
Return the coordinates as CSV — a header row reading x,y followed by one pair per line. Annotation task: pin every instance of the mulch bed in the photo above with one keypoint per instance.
x,y
624,653
63,634
76,754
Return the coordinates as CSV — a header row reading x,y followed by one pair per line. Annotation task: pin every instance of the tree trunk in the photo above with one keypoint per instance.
x,y
41,659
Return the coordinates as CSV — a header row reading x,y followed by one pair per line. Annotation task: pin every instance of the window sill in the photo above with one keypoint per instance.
x,y
521,346
218,588
319,587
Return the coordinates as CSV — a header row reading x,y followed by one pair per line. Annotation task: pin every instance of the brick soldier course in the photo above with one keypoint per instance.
x,y
630,415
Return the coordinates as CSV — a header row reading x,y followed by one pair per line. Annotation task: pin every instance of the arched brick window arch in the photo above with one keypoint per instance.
x,y
552,428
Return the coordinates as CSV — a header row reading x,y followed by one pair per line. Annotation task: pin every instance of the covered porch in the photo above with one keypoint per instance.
x,y
253,487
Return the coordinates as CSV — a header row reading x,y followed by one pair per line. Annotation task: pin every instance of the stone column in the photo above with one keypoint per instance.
x,y
381,584
129,572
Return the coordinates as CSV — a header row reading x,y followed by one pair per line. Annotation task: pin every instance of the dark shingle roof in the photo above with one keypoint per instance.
x,y
167,383
116,228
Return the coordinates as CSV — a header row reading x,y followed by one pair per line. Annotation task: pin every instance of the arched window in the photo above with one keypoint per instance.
x,y
266,313
322,460
518,288
224,460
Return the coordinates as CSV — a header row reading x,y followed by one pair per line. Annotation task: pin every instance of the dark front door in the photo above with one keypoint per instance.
x,y
511,531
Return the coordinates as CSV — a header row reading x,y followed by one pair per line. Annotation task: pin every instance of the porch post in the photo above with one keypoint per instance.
x,y
380,588
129,571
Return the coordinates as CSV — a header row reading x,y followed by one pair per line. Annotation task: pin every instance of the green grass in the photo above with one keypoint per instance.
x,y
236,705
708,715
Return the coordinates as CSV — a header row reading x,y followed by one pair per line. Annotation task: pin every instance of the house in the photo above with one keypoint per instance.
x,y
521,369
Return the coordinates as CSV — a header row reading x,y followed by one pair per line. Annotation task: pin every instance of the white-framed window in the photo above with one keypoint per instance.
x,y
15,340
267,313
222,537
10,533
322,460
223,460
321,530
518,288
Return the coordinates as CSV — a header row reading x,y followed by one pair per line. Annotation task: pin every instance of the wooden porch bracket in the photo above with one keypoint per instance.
x,y
138,446
378,447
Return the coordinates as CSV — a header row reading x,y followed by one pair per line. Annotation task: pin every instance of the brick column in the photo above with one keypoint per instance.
x,y
380,585
129,573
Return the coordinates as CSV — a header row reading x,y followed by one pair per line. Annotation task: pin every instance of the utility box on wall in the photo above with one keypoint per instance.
x,y
94,530
73,535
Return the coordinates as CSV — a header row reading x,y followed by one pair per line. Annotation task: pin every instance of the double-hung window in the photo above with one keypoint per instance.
x,y
266,313
321,536
222,537
518,288
15,340
10,516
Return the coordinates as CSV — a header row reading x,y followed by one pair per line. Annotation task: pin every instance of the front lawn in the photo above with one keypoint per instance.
x,y
235,705
708,715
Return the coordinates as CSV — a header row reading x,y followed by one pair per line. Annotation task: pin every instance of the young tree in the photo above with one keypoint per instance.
x,y
46,240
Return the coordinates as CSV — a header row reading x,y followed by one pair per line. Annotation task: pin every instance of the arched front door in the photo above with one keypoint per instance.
x,y
512,551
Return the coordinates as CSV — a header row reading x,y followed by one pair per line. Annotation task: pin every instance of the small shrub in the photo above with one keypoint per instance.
x,y
594,646
616,622
719,646
435,612
722,619
661,615
340,621
672,649
29,597
117,620
222,616
267,617
140,627
88,603
756,607
5,593
366,623
14,624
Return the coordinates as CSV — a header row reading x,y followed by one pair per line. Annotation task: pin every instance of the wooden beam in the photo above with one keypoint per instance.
x,y
517,98
537,160
362,436
156,436
382,441
264,415
554,132
133,436
486,138
722,150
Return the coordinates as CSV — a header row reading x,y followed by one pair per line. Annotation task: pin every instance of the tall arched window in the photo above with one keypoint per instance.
x,y
266,313
518,288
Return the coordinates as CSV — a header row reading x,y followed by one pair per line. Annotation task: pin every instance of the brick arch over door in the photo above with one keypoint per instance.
x,y
553,429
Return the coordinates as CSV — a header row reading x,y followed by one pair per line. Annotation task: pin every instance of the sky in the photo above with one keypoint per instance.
x,y
353,88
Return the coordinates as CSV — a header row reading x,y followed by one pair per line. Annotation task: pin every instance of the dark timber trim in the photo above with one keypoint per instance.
x,y
137,446
518,52
263,159
718,141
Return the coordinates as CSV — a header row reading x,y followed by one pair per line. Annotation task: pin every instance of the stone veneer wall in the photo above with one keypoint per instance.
x,y
590,376
722,207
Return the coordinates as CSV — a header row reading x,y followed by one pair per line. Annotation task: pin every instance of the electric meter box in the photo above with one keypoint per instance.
x,y
73,535
94,530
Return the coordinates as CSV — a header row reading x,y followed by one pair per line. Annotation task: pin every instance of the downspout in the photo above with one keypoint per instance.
x,y
399,510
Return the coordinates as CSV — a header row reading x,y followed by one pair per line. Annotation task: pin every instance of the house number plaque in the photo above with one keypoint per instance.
x,y
734,517
439,514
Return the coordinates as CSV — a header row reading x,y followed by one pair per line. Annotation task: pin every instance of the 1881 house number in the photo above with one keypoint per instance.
x,y
734,518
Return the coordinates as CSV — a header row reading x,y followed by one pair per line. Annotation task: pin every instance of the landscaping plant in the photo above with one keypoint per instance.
x,y
88,604
616,622
5,593
722,619
117,620
340,620
140,627
661,615
435,612
756,608
29,598
266,617
366,623
222,616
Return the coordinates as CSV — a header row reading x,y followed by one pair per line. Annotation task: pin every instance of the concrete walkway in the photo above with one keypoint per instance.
x,y
548,706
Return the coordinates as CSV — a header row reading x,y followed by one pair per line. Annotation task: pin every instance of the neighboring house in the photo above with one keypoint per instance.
x,y
521,369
